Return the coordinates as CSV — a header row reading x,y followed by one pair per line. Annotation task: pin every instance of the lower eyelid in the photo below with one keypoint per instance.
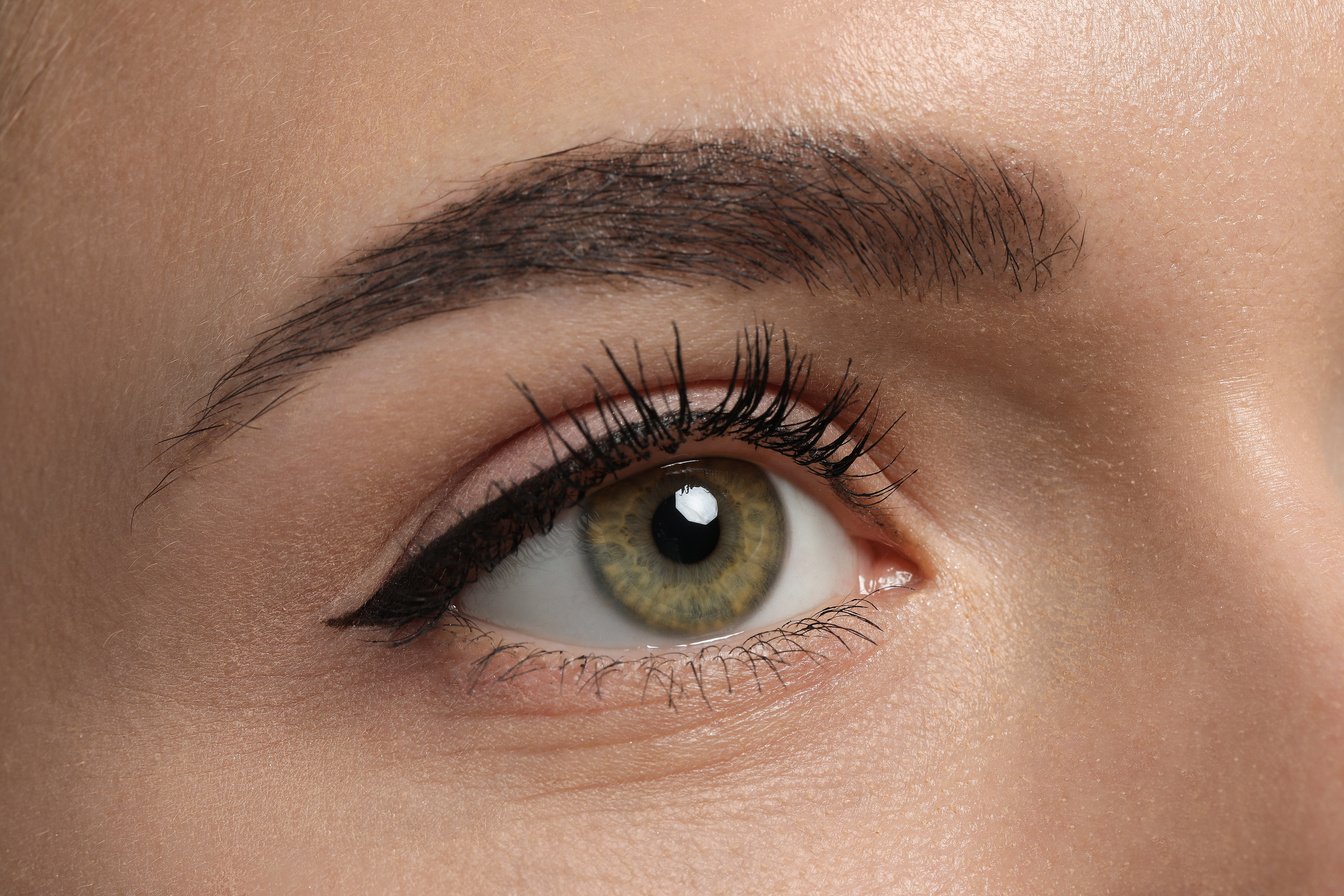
x,y
498,672
498,675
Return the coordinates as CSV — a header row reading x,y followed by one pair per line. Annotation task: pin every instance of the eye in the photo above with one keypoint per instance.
x,y
683,553
658,518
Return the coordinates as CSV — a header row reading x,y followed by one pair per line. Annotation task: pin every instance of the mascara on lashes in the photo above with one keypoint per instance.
x,y
630,425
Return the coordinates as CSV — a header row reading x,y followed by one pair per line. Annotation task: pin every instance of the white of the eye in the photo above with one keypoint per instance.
x,y
545,590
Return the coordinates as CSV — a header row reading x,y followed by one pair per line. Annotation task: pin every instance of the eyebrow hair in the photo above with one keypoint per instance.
x,y
742,209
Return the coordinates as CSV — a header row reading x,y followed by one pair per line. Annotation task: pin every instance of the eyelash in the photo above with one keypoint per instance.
x,y
681,673
629,426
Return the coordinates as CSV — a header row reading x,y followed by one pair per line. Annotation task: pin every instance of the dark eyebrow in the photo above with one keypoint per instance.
x,y
833,211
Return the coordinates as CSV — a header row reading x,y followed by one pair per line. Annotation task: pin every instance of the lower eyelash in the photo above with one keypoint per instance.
x,y
768,382
673,676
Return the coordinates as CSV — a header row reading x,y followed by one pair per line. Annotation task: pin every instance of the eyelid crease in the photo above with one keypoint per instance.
x,y
628,427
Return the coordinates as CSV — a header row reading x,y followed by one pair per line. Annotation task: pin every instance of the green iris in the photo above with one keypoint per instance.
x,y
687,548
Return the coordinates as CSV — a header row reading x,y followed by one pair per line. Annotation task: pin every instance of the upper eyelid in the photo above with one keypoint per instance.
x,y
750,397
851,408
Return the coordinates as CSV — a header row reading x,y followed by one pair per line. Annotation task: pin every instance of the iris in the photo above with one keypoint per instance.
x,y
689,547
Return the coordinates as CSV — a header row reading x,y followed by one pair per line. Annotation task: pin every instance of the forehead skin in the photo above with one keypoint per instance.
x,y
1128,677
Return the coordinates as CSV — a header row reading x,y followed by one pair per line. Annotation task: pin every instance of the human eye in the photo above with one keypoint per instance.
x,y
681,537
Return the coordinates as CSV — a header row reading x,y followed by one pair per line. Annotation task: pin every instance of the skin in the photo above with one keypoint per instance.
x,y
1123,672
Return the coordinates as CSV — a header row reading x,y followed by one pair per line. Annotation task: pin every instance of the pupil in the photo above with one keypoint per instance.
x,y
686,524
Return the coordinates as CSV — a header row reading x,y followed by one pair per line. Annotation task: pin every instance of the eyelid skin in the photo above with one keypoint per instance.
x,y
587,449
497,674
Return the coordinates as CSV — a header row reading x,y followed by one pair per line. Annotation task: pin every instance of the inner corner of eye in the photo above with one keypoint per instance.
x,y
691,551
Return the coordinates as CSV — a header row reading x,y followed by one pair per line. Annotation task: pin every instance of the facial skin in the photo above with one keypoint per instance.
x,y
1121,671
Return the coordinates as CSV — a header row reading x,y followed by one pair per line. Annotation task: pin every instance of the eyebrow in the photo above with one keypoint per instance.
x,y
742,209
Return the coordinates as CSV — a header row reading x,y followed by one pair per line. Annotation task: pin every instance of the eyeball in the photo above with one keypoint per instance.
x,y
685,553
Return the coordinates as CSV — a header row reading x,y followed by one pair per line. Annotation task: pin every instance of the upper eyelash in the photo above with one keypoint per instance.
x,y
756,409
738,415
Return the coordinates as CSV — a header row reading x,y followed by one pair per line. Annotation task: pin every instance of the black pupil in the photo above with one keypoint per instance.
x,y
684,539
